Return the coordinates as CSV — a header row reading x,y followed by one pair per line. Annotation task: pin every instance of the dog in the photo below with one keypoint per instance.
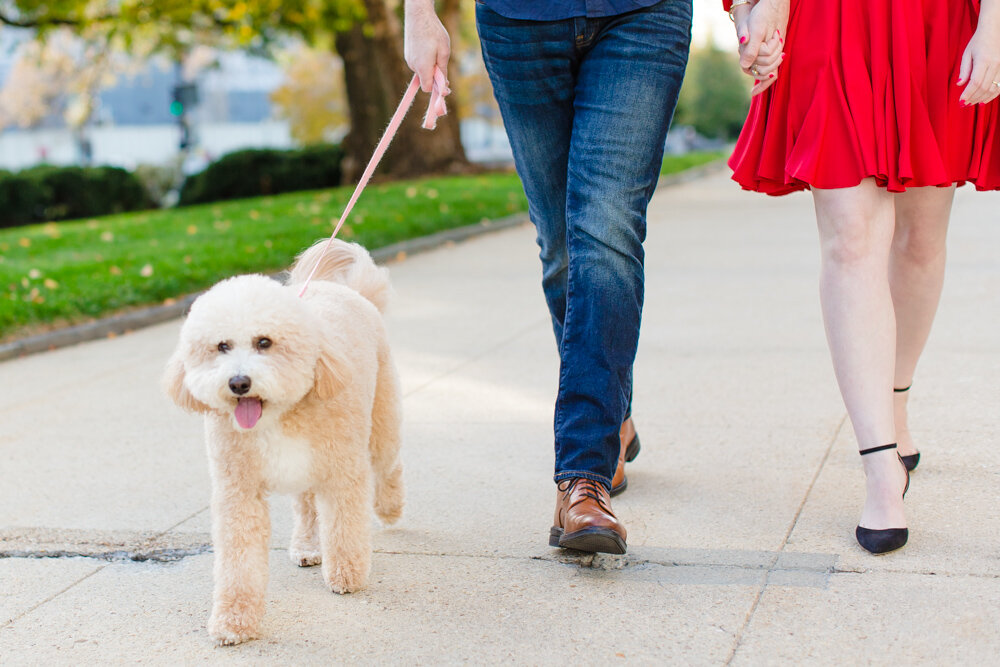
x,y
300,396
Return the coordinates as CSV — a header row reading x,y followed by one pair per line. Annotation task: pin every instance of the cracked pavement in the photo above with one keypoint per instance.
x,y
740,508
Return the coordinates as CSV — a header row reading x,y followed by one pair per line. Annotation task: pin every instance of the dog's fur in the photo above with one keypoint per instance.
x,y
327,422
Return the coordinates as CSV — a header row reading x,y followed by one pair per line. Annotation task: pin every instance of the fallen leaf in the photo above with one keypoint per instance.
x,y
50,284
192,230
146,271
24,242
114,270
107,237
34,274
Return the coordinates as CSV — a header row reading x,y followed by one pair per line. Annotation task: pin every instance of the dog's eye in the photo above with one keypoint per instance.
x,y
224,347
263,343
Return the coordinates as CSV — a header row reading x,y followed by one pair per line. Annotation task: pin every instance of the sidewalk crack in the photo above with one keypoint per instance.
x,y
784,542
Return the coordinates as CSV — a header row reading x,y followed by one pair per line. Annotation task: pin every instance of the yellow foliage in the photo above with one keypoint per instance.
x,y
312,98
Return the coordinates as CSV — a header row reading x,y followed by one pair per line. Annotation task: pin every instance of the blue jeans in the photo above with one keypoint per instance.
x,y
587,103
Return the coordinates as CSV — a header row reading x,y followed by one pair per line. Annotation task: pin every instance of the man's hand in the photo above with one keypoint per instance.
x,y
425,42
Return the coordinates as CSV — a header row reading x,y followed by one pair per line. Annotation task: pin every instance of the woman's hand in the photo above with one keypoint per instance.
x,y
980,70
761,33
425,42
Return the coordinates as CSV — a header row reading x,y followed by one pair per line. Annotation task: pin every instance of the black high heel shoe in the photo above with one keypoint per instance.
x,y
888,539
911,461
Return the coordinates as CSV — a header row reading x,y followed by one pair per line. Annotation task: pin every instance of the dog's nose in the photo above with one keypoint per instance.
x,y
239,385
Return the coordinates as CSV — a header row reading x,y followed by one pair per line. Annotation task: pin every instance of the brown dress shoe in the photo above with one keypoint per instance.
x,y
626,453
584,520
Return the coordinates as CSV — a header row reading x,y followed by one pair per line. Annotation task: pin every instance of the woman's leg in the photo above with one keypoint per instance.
x,y
856,230
916,275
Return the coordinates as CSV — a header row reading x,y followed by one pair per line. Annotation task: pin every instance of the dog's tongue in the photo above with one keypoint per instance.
x,y
248,411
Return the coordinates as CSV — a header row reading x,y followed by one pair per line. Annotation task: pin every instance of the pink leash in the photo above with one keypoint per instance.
x,y
436,109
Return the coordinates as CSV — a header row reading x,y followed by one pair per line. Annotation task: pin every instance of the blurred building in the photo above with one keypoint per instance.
x,y
135,121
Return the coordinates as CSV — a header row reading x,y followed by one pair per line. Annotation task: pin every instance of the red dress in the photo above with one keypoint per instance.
x,y
868,90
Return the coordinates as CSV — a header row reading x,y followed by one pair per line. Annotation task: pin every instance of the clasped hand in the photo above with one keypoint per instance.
x,y
760,28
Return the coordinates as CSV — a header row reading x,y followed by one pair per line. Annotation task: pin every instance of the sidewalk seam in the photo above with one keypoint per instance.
x,y
52,597
784,542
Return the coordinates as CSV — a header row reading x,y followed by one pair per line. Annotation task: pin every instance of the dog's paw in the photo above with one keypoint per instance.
x,y
347,577
390,497
389,511
232,629
304,558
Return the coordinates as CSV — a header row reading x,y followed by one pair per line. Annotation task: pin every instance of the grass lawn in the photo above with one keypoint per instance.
x,y
53,275
673,164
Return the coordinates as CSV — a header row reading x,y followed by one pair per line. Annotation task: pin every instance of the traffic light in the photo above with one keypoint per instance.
x,y
185,96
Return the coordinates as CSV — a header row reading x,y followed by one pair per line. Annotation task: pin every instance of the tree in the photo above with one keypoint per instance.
x,y
715,96
366,33
311,99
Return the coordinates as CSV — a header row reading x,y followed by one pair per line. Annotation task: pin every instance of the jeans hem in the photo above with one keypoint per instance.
x,y
570,474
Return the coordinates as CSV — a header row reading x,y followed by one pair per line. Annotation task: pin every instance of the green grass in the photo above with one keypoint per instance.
x,y
673,164
53,275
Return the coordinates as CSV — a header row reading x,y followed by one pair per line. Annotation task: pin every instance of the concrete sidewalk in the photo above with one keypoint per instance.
x,y
740,509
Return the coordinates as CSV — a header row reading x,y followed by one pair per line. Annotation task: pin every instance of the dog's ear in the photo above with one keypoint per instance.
x,y
173,384
331,375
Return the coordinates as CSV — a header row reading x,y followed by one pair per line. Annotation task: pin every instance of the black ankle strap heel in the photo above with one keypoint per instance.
x,y
912,460
889,539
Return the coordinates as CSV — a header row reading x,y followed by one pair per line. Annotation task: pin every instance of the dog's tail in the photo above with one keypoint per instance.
x,y
345,263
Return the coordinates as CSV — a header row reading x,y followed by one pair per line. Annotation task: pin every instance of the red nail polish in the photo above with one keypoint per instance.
x,y
771,75
783,54
743,40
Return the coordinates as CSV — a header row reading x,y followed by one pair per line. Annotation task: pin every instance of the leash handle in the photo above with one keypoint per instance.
x,y
435,109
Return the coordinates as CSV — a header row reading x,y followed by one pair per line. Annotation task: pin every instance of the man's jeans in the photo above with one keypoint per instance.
x,y
586,103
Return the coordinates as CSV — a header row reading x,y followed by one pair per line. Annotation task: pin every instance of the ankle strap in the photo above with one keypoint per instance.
x,y
877,449
900,391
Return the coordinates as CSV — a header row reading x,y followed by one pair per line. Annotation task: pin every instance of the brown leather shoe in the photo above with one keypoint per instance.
x,y
584,520
626,453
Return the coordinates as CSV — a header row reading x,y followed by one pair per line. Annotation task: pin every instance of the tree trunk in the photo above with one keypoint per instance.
x,y
451,17
376,77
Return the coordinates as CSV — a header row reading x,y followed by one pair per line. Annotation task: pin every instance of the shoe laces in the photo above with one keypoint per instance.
x,y
588,489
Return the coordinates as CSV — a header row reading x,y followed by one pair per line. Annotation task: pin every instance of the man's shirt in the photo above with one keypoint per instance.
x,y
554,10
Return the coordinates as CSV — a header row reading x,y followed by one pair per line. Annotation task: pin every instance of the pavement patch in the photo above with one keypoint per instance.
x,y
102,545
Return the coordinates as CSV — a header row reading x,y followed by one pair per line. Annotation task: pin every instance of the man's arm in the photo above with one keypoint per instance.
x,y
425,42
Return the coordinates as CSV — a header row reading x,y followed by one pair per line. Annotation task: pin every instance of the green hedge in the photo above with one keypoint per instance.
x,y
46,193
252,173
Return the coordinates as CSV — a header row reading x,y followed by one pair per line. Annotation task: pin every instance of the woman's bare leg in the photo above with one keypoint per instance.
x,y
916,275
856,229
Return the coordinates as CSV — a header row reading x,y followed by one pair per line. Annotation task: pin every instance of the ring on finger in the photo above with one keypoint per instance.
x,y
755,72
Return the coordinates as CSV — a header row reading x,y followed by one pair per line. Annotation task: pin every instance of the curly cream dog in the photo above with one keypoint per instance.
x,y
300,396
